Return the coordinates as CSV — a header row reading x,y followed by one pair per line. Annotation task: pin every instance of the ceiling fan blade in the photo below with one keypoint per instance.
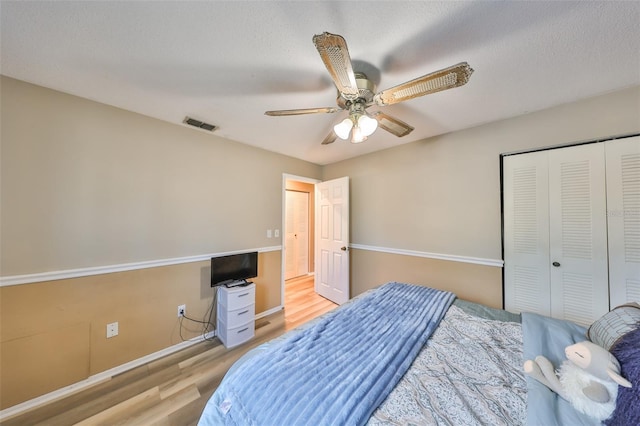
x,y
335,55
331,138
448,78
392,125
328,110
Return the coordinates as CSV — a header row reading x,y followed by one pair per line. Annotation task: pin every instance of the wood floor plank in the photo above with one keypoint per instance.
x,y
189,414
76,399
302,303
181,355
161,411
104,401
119,413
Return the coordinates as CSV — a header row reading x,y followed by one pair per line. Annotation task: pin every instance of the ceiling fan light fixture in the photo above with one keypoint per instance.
x,y
356,127
357,135
367,125
343,128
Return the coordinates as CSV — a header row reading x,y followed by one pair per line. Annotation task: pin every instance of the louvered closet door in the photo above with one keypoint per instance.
x,y
526,223
623,212
578,233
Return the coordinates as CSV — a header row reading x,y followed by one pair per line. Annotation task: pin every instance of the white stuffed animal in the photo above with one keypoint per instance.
x,y
588,379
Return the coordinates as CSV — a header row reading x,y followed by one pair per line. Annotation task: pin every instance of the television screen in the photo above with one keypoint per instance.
x,y
234,267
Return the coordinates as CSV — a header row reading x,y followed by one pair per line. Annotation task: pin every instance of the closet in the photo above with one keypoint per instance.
x,y
572,229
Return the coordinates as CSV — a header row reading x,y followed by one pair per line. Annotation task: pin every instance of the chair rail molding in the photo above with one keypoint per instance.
x,y
498,263
99,270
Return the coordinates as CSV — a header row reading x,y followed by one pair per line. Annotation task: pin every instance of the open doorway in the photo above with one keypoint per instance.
x,y
299,298
298,238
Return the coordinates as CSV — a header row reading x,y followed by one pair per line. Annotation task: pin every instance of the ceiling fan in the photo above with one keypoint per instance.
x,y
356,93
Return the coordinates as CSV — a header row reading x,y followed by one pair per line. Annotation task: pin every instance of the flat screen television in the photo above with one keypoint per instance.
x,y
233,269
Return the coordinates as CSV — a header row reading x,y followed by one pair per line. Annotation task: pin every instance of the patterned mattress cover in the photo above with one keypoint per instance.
x,y
468,373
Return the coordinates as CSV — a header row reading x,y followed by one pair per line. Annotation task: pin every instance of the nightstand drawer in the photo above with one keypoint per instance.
x,y
233,336
236,298
237,316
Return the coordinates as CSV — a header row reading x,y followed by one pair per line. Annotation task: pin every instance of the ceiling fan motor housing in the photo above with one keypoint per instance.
x,y
366,91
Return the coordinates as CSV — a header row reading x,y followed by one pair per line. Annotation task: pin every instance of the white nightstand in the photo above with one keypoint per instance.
x,y
236,314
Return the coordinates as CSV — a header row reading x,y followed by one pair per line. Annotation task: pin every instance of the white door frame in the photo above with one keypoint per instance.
x,y
285,178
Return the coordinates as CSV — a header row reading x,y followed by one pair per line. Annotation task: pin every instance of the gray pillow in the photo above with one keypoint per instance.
x,y
609,328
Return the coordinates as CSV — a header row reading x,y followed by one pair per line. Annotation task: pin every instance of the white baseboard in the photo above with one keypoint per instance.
x,y
269,312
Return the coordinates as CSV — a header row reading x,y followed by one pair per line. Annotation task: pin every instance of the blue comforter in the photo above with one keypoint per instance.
x,y
339,370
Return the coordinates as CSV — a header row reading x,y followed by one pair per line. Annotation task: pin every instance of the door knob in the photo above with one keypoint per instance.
x,y
343,248
556,264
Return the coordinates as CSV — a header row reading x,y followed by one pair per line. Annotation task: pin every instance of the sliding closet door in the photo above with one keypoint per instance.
x,y
526,233
578,233
623,211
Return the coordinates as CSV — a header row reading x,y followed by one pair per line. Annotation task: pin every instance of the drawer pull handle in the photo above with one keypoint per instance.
x,y
244,329
243,312
241,295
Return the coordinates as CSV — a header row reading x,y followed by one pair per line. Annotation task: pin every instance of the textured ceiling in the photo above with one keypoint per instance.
x,y
226,62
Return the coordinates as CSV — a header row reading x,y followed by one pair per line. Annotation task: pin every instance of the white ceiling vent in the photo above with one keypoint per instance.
x,y
200,124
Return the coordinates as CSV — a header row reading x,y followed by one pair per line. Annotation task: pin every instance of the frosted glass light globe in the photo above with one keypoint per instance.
x,y
343,128
367,125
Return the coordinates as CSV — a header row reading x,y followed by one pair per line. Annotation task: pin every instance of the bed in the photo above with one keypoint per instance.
x,y
397,355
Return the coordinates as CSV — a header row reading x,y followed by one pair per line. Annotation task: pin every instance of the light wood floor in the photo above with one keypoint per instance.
x,y
173,390
302,303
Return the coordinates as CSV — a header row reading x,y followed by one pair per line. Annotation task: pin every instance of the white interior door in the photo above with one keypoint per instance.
x,y
578,233
296,234
332,240
623,218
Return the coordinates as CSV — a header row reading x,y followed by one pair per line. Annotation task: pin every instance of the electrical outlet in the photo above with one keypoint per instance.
x,y
182,310
276,233
112,330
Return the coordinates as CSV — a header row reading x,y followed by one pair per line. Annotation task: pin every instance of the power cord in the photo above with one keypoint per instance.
x,y
207,324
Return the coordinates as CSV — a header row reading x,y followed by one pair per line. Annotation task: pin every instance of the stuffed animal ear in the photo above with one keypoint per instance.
x,y
597,392
618,378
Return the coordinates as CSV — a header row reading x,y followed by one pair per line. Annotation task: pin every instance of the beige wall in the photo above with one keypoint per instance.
x,y
477,283
86,185
442,195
